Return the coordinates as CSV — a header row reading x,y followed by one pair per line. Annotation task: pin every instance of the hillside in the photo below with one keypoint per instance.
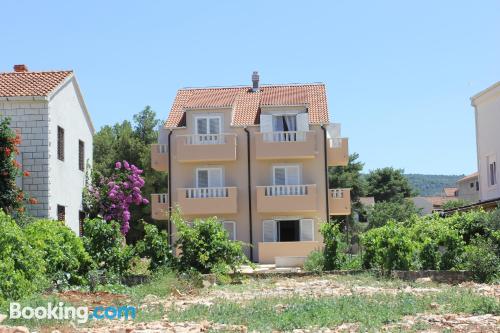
x,y
427,185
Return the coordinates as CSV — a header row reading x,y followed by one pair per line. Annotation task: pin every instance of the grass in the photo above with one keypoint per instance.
x,y
370,312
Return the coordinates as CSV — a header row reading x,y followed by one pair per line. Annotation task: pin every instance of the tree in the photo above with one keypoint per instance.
x,y
349,176
384,211
388,184
455,204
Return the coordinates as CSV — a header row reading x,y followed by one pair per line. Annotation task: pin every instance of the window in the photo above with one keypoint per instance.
x,y
209,177
492,170
288,230
477,186
208,130
60,143
61,213
286,175
81,155
285,123
471,185
230,226
81,219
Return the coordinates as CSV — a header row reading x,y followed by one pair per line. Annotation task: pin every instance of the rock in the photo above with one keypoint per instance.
x,y
20,329
423,280
206,284
150,298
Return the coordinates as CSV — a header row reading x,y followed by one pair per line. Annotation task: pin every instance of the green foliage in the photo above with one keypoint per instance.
x,y
106,245
388,184
22,269
389,248
349,176
335,246
472,224
315,262
382,212
431,185
481,258
155,247
455,204
205,244
62,250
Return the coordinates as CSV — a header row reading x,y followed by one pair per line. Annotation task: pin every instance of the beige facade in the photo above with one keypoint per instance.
x,y
468,188
279,212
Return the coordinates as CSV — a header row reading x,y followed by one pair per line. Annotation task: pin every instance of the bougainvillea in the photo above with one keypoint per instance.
x,y
12,198
111,197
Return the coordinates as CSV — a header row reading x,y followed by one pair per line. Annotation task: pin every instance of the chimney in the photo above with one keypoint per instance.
x,y
255,81
20,68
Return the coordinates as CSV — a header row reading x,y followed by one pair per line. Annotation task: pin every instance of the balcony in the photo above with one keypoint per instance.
x,y
338,151
159,157
206,147
339,201
286,198
284,145
159,206
208,200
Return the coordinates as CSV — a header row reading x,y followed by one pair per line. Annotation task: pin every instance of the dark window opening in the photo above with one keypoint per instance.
x,y
60,143
288,231
477,186
81,155
81,219
61,213
471,185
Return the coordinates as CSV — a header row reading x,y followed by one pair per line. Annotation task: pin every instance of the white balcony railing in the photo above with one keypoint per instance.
x,y
337,193
206,192
205,139
160,198
279,190
161,149
290,136
335,142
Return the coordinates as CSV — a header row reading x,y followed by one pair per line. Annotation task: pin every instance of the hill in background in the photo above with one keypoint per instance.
x,y
428,185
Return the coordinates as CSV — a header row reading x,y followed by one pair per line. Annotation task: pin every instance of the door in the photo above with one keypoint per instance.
x,y
208,130
286,175
209,177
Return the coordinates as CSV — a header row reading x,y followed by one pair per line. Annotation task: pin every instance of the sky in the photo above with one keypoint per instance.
x,y
399,74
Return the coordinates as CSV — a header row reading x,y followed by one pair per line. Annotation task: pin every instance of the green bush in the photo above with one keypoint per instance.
x,y
106,246
205,245
155,247
315,262
481,259
471,224
335,246
389,248
62,250
398,211
22,269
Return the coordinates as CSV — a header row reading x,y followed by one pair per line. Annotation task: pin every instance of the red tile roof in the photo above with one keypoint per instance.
x,y
450,191
246,104
17,84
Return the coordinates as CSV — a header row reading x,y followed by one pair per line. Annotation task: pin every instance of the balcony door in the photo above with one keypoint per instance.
x,y
286,175
208,130
284,127
210,183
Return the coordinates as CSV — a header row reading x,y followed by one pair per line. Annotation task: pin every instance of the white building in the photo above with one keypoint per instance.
x,y
48,110
487,113
468,187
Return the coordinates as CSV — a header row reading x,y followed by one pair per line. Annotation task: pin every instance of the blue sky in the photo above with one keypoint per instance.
x,y
399,75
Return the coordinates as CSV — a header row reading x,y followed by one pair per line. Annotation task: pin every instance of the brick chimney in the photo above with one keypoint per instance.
x,y
20,68
255,81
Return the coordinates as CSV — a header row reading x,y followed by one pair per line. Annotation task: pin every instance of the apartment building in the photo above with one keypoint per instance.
x,y
256,157
48,110
487,115
468,187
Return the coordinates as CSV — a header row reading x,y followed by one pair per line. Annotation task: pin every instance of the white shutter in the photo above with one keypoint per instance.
x,y
202,178
269,231
307,230
279,176
215,177
201,125
333,131
293,175
266,123
303,122
214,125
230,226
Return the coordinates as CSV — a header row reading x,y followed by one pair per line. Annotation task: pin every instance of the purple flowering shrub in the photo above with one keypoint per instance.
x,y
111,197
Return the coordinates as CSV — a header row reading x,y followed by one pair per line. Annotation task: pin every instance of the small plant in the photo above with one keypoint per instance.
x,y
155,247
480,258
315,262
335,246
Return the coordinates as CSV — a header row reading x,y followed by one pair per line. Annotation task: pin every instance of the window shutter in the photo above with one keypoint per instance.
x,y
279,176
202,178
201,125
230,226
266,123
269,231
215,177
303,122
293,175
214,125
307,230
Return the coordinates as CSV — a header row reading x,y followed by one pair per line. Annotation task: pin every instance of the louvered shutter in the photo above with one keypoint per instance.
x,y
280,176
303,122
293,175
202,178
214,125
230,226
269,231
201,124
266,123
215,177
307,230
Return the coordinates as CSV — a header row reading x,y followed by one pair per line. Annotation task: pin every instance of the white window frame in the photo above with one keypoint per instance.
x,y
298,166
207,117
208,172
490,159
233,223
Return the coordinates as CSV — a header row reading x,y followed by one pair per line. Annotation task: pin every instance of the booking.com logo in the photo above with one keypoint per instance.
x,y
80,314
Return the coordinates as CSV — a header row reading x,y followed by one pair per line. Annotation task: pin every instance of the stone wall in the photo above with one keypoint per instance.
x,y
30,119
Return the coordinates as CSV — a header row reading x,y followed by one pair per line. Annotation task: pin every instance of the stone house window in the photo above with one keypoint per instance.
x,y
61,213
60,143
81,155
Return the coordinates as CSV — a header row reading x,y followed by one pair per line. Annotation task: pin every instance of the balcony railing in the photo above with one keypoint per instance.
x,y
285,145
159,206
287,198
339,201
208,201
159,157
338,151
206,147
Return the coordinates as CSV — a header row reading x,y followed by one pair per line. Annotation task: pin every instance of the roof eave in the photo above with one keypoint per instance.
x,y
24,98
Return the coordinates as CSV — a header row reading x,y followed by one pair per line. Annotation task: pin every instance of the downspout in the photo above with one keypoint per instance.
x,y
327,183
169,188
249,193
